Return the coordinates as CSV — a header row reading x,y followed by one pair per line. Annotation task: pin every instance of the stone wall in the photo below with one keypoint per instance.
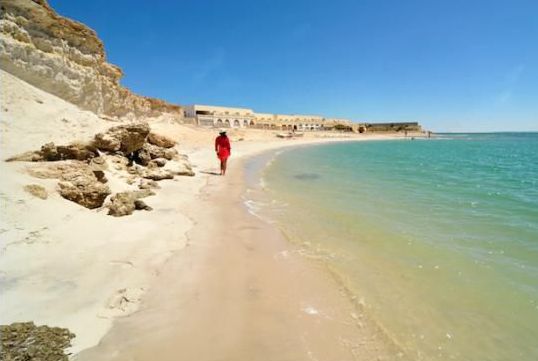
x,y
67,59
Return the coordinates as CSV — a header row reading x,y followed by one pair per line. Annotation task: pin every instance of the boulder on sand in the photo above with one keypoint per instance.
x,y
157,163
148,184
159,152
126,138
125,203
50,153
157,174
141,205
160,140
180,167
77,151
83,187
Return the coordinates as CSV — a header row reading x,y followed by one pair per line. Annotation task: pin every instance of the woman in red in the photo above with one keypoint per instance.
x,y
223,149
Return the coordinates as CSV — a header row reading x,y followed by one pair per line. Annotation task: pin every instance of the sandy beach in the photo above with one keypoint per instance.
x,y
185,273
240,291
198,270
380,202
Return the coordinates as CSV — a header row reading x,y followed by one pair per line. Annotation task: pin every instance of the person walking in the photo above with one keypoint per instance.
x,y
223,150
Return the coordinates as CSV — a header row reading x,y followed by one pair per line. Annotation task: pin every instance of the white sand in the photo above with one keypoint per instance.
x,y
64,265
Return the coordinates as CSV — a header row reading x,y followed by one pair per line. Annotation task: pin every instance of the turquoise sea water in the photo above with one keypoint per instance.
x,y
437,239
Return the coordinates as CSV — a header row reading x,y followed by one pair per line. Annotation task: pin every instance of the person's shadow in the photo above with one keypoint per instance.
x,y
209,172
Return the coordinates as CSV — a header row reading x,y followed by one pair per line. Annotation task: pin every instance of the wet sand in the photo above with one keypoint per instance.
x,y
240,291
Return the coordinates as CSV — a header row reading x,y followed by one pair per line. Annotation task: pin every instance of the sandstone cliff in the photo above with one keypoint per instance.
x,y
67,59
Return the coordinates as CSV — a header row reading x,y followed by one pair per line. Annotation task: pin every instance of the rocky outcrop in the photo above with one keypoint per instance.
x,y
125,203
77,151
79,182
67,59
50,152
160,140
26,341
84,188
157,162
155,152
125,138
156,174
80,168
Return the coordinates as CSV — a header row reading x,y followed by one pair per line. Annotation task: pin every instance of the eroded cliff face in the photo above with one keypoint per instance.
x,y
67,59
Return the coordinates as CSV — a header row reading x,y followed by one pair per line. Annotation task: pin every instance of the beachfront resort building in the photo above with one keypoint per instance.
x,y
232,117
222,117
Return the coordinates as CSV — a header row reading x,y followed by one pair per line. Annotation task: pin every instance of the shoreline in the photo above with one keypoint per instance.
x,y
89,270
313,304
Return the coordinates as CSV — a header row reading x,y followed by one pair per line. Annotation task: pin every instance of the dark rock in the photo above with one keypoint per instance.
x,y
24,341
141,205
50,152
144,157
100,175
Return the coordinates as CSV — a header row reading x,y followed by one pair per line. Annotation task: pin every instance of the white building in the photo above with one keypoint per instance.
x,y
229,117
225,117
308,122
264,120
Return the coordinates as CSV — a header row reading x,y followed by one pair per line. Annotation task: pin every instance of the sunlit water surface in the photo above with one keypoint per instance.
x,y
437,239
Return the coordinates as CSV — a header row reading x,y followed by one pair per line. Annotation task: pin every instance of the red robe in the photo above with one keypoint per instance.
x,y
222,147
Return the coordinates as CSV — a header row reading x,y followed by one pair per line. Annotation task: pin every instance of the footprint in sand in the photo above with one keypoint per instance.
x,y
123,302
123,263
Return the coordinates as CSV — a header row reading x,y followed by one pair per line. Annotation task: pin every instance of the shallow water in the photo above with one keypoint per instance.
x,y
437,239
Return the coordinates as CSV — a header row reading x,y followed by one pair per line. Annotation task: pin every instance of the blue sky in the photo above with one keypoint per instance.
x,y
453,65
